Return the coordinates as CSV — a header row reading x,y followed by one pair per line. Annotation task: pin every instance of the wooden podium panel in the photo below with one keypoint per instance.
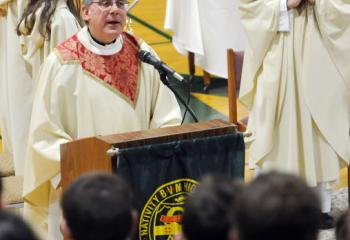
x,y
90,154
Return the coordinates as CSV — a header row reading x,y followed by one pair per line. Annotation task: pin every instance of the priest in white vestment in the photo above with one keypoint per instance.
x,y
92,84
296,83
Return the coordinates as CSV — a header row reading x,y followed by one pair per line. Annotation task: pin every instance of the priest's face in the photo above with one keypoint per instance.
x,y
106,19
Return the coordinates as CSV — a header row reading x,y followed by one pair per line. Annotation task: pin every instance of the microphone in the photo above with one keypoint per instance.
x,y
147,57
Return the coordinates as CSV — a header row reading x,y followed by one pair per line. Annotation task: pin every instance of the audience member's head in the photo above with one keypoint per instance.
x,y
97,206
277,206
12,227
208,210
342,230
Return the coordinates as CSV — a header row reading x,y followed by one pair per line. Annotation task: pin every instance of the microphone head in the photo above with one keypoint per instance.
x,y
147,57
143,55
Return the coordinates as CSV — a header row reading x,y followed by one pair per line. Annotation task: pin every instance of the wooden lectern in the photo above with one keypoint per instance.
x,y
90,154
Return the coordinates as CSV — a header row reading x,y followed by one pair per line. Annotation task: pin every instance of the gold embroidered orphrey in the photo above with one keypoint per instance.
x,y
162,215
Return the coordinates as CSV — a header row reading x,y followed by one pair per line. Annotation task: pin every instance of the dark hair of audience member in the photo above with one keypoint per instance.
x,y
277,206
98,206
13,227
209,209
342,230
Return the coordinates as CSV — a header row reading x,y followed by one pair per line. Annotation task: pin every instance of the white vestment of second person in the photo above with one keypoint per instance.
x,y
297,87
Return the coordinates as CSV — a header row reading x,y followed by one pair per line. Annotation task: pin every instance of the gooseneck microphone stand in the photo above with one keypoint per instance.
x,y
165,81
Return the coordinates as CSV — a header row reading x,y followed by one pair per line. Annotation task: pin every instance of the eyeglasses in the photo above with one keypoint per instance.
x,y
109,3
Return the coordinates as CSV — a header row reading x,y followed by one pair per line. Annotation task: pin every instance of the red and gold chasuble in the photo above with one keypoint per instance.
x,y
118,71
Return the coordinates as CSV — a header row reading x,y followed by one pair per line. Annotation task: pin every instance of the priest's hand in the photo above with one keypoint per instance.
x,y
293,3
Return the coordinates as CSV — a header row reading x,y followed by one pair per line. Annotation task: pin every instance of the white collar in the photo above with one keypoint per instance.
x,y
88,42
